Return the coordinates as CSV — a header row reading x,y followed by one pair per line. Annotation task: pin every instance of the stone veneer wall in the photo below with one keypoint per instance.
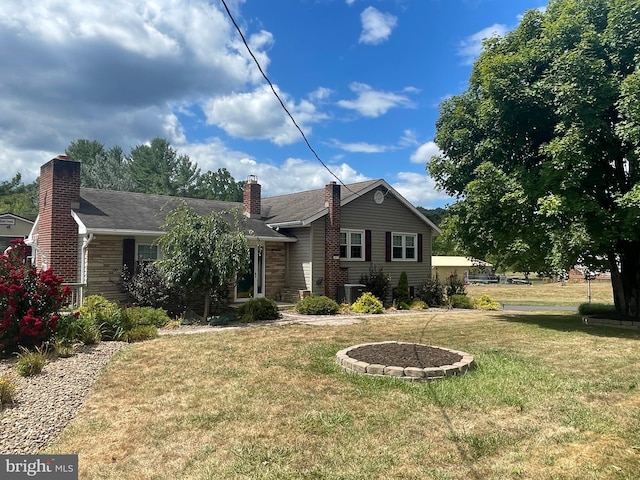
x,y
105,268
275,270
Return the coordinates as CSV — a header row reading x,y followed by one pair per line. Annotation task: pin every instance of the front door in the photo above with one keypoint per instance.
x,y
251,283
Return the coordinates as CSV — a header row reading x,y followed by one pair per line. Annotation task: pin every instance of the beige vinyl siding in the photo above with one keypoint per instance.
x,y
391,215
299,260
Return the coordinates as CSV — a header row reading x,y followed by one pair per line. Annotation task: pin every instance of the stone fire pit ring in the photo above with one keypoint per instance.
x,y
461,364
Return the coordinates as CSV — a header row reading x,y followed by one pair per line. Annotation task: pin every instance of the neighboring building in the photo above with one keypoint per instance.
x,y
313,241
13,227
465,268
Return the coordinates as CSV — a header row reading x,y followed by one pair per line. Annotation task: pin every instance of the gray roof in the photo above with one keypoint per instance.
x,y
109,211
309,205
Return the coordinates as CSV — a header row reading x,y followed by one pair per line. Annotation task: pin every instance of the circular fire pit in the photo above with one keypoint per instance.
x,y
404,361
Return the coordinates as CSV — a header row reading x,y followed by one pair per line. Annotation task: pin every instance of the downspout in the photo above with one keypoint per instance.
x,y
84,257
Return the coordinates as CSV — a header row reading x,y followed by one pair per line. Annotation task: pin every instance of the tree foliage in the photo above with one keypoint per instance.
x,y
203,252
155,167
18,198
542,150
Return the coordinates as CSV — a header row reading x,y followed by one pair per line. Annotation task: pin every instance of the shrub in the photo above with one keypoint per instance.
x,y
149,288
317,305
8,389
224,319
595,308
367,303
73,328
63,348
31,362
431,292
455,286
418,304
401,292
140,333
29,301
485,302
110,319
156,317
258,309
460,301
377,283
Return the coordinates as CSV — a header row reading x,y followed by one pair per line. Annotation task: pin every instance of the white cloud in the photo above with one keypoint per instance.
x,y
376,26
471,46
320,94
259,115
420,190
361,147
409,139
424,153
117,71
275,179
372,103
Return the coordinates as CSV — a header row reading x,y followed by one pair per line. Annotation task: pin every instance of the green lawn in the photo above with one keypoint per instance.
x,y
550,399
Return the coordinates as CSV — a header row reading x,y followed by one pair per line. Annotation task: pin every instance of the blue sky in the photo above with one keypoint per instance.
x,y
362,78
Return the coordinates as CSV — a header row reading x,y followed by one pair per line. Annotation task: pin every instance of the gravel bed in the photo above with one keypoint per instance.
x,y
46,402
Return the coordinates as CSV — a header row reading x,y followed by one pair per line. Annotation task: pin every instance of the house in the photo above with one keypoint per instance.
x,y
465,268
313,241
13,227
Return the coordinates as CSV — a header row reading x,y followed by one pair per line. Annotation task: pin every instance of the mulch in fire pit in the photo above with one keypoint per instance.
x,y
404,355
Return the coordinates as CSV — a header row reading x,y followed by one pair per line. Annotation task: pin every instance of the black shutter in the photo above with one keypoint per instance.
x,y
367,245
387,246
128,255
420,247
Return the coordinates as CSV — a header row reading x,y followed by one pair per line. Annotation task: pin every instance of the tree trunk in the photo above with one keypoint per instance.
x,y
625,278
207,305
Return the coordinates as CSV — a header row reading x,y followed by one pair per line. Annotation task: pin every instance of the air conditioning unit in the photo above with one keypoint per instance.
x,y
350,292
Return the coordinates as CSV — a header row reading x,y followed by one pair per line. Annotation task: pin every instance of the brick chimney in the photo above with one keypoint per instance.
x,y
251,197
333,273
57,240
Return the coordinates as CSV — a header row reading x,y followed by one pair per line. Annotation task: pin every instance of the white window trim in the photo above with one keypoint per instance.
x,y
404,236
348,232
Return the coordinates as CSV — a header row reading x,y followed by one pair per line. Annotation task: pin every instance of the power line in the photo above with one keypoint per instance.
x,y
279,99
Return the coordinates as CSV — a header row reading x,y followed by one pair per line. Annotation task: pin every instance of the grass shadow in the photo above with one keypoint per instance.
x,y
568,323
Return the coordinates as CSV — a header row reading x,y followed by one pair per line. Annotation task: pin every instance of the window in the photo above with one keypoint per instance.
x,y
404,246
352,244
147,253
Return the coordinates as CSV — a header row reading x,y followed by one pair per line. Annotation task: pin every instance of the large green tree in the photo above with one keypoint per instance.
x,y
203,253
157,168
150,168
18,198
542,150
101,168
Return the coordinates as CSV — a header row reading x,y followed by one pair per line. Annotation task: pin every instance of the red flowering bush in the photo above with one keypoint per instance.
x,y
29,301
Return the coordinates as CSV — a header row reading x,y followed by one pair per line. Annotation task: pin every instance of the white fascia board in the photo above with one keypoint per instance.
x,y
34,230
82,228
273,239
295,223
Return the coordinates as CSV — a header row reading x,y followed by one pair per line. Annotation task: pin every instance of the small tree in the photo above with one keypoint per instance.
x,y
401,292
203,252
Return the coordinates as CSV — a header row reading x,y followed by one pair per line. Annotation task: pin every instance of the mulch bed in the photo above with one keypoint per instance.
x,y
404,355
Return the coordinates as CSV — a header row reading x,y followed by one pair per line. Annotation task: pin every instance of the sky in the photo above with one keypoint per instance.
x,y
363,80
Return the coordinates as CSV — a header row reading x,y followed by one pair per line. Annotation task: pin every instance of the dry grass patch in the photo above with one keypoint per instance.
x,y
544,293
549,399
